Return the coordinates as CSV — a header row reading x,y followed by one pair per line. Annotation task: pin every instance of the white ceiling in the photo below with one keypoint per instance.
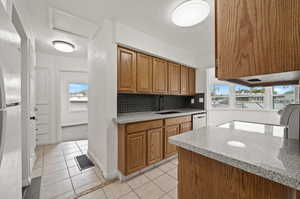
x,y
149,16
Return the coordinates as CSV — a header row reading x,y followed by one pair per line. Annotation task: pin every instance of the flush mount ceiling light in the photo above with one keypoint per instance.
x,y
63,46
190,13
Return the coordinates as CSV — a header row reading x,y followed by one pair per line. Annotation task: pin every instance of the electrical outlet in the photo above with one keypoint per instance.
x,y
201,100
192,101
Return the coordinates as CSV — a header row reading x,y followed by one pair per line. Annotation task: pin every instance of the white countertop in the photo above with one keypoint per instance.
x,y
256,148
125,118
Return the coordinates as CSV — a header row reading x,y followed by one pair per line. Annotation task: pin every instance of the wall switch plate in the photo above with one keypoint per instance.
x,y
192,101
201,100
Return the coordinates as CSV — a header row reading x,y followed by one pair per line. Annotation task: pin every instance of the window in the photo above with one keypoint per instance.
x,y
78,96
249,98
219,96
282,96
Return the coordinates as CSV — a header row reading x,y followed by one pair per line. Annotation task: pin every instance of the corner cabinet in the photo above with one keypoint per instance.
x,y
160,76
145,74
257,37
126,70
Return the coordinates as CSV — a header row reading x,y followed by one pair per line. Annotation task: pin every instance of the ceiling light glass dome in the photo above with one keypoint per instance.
x,y
190,13
63,46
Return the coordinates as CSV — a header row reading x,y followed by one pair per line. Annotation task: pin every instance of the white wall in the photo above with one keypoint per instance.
x,y
102,133
54,65
133,38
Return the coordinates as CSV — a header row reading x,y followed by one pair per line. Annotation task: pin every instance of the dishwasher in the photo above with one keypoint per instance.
x,y
199,121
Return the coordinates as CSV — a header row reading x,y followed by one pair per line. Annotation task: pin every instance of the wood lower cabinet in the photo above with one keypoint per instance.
x,y
144,143
200,177
160,76
184,79
136,151
170,149
184,127
126,71
144,75
155,145
174,79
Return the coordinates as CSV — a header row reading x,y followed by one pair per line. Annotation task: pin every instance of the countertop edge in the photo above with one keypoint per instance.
x,y
250,168
158,117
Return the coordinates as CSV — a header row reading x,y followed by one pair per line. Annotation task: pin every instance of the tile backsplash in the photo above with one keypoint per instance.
x,y
138,102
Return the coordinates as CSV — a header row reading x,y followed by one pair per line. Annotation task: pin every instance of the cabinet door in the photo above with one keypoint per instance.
x,y
248,43
155,145
184,80
170,149
192,81
136,151
184,127
174,78
160,76
126,70
144,73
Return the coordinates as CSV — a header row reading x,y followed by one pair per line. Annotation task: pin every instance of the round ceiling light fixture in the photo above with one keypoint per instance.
x,y
190,13
63,46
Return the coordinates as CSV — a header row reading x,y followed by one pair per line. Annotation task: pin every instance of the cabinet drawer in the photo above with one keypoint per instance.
x,y
184,127
178,120
141,126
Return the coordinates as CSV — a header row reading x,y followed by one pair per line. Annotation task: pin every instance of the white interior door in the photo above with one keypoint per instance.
x,y
42,104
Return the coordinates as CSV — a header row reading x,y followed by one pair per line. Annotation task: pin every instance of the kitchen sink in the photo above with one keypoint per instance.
x,y
167,112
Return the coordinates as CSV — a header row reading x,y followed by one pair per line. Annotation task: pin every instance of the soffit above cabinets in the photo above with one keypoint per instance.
x,y
74,25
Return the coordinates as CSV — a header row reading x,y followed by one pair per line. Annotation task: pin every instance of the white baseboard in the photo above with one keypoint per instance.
x,y
111,175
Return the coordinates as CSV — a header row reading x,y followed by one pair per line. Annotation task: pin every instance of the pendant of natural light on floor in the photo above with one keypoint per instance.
x,y
236,144
190,13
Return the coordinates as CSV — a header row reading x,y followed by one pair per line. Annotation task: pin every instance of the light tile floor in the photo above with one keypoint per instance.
x,y
61,177
158,183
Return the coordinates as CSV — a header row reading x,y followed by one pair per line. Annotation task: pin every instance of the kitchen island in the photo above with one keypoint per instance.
x,y
238,160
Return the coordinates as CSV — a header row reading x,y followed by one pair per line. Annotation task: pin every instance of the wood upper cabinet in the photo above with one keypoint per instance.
x,y
141,73
192,81
136,151
184,77
155,145
126,70
144,73
255,37
170,149
174,78
160,76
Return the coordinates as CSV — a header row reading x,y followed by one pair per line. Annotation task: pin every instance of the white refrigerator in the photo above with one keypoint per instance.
x,y
10,110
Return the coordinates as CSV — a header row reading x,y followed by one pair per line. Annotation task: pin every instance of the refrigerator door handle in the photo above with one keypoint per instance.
x,y
3,116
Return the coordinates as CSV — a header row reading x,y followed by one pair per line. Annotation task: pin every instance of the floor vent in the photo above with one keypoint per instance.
x,y
84,162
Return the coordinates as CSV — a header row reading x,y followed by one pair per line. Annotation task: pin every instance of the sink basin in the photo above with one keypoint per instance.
x,y
167,112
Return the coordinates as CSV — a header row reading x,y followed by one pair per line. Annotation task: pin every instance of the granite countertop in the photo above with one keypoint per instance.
x,y
125,118
259,149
